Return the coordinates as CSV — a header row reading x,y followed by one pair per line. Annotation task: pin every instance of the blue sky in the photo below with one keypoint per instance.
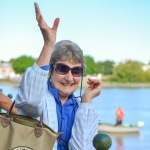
x,y
105,29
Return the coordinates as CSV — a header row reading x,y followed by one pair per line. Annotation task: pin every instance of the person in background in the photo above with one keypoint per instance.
x,y
119,116
48,87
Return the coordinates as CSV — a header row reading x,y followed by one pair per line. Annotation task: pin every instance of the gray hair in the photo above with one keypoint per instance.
x,y
67,50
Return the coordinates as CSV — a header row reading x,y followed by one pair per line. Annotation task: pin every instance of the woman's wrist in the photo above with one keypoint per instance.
x,y
86,100
49,45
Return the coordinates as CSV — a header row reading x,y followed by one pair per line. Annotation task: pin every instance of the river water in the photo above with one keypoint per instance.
x,y
136,105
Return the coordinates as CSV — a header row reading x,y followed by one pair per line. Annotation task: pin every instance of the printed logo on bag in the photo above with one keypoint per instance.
x,y
21,148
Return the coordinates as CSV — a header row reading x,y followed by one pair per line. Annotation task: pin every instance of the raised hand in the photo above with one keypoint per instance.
x,y
49,34
92,90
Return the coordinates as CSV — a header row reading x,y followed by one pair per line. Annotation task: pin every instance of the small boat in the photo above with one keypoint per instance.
x,y
120,129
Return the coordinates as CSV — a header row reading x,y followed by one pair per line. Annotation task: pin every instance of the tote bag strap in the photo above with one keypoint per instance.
x,y
38,126
10,109
6,118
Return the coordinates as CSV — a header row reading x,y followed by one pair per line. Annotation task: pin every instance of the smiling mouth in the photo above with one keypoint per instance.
x,y
67,85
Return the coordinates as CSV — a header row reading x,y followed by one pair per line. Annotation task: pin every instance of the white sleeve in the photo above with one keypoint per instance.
x,y
85,128
30,92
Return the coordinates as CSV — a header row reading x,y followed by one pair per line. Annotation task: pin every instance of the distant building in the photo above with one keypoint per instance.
x,y
7,72
146,67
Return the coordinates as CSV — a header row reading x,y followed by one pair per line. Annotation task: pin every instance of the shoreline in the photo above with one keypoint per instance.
x,y
8,82
84,85
126,85
120,85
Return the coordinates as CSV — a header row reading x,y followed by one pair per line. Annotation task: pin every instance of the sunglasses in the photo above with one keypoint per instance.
x,y
64,69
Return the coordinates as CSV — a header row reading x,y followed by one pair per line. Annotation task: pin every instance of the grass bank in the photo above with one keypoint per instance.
x,y
120,85
8,82
126,85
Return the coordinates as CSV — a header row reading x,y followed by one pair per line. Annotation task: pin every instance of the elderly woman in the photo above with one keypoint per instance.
x,y
49,85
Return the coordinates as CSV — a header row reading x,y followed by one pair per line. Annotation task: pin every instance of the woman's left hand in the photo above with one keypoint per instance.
x,y
92,91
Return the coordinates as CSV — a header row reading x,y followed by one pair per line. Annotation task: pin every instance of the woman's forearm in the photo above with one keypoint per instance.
x,y
45,55
5,103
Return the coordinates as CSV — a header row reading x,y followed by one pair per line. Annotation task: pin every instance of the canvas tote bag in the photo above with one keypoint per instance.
x,y
19,132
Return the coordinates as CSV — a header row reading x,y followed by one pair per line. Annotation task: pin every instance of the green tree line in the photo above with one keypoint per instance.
x,y
129,71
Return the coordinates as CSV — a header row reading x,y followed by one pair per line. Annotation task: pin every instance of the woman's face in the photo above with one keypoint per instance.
x,y
66,84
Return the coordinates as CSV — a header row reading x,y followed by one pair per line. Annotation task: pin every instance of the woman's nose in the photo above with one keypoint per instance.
x,y
69,76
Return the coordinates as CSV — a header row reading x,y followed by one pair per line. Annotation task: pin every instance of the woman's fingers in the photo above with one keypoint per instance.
x,y
37,11
90,81
39,17
93,90
56,23
94,85
40,20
